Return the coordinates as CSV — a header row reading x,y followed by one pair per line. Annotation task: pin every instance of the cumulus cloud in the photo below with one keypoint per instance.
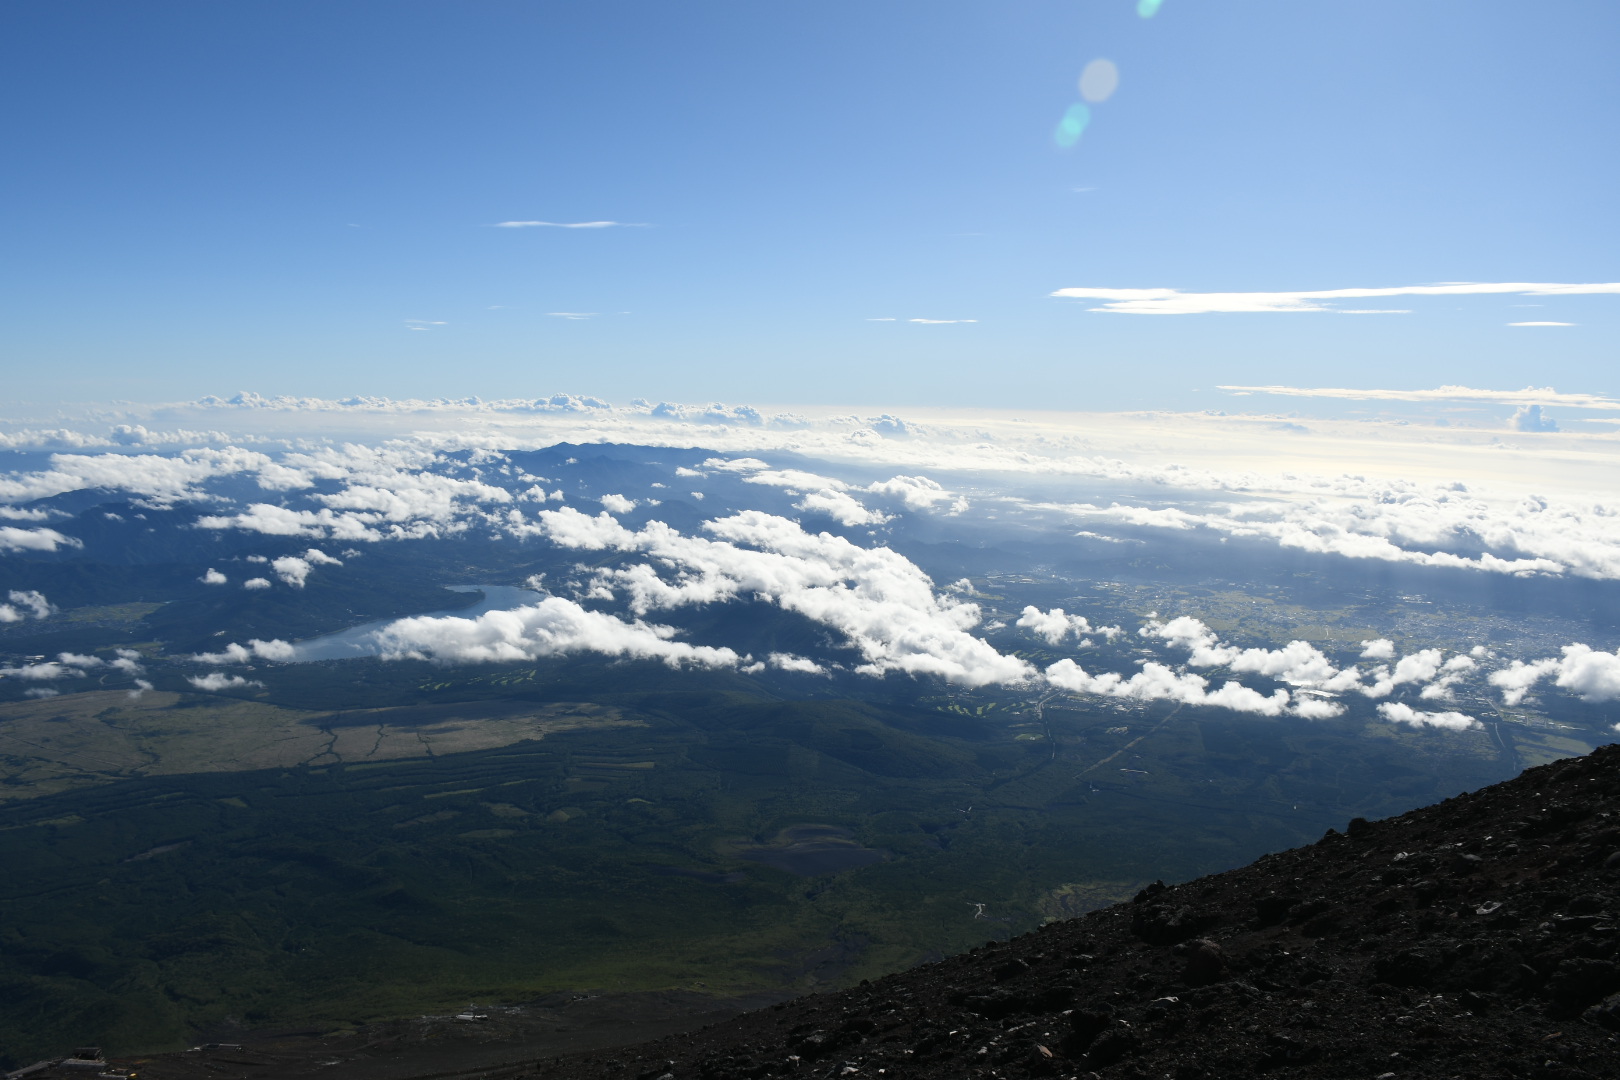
x,y
882,604
1400,713
790,662
1052,626
45,671
1378,649
1531,418
917,493
158,476
618,504
1418,667
15,539
1297,663
1156,682
255,649
1175,302
1582,670
256,583
820,494
129,662
213,577
294,569
553,627
1452,672
24,603
216,681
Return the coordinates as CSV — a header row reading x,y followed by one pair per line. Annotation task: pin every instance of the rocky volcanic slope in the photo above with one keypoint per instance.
x,y
1476,938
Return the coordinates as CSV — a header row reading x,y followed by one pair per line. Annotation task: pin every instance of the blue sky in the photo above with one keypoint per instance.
x,y
305,198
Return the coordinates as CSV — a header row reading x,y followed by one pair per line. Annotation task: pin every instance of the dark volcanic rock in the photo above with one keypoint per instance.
x,y
1478,938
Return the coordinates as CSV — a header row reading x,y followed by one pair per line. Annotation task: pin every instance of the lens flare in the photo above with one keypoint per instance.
x,y
1072,125
1148,8
1099,81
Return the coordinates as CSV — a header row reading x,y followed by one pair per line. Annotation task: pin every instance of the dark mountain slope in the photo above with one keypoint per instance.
x,y
1475,938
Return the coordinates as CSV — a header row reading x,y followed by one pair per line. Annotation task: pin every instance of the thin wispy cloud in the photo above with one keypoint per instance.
x,y
573,314
884,318
1541,324
1176,302
1530,395
941,322
571,225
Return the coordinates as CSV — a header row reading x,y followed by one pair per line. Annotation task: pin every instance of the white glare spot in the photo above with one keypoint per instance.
x,y
1099,81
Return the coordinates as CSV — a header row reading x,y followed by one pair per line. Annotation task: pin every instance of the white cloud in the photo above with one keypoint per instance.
x,y
618,504
1452,672
1378,649
1316,708
821,494
1052,626
1175,302
1418,667
41,692
1539,538
884,605
942,322
1156,682
1541,324
292,570
1298,663
569,225
129,662
46,671
574,316
15,539
552,627
1399,713
152,475
1593,675
789,662
213,577
33,600
255,649
1530,395
256,583
916,492
1530,418
216,681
